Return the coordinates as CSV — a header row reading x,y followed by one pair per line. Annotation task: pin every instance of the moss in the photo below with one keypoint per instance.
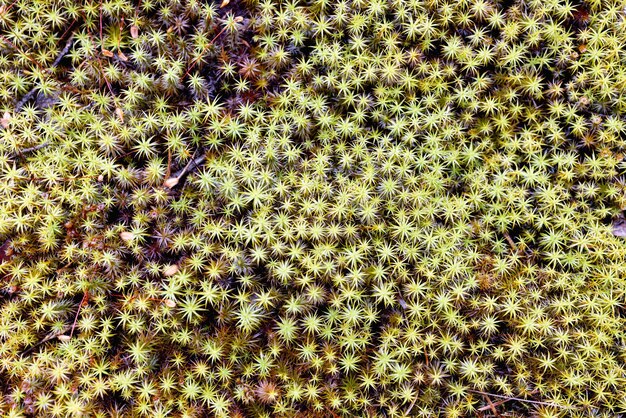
x,y
311,208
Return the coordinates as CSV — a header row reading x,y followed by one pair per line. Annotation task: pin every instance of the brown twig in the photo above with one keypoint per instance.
x,y
56,62
488,407
80,306
49,337
501,402
35,148
12,45
169,164
491,406
408,410
512,398
511,242
193,64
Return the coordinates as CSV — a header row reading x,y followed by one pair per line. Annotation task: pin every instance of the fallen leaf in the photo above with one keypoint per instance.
x,y
127,236
170,270
171,182
6,118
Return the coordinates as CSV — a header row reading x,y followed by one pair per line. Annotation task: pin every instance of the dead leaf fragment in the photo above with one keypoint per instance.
x,y
6,118
107,53
170,270
171,182
127,236
134,32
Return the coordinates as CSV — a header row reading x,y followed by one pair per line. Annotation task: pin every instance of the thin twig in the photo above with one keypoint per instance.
x,y
24,99
511,398
56,62
64,51
169,164
491,406
410,406
28,57
83,301
498,403
193,64
503,401
49,337
190,166
35,148
511,242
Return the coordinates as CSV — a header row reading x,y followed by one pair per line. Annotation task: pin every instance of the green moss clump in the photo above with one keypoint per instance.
x,y
312,208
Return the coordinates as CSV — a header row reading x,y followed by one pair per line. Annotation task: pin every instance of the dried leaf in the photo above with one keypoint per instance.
x,y
171,182
127,236
107,53
170,270
6,118
134,32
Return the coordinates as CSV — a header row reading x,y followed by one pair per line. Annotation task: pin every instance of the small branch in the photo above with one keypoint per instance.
x,y
56,62
172,181
190,166
35,148
28,57
488,407
503,401
49,337
511,242
24,99
408,410
491,406
80,306
64,51
169,164
511,398
193,64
